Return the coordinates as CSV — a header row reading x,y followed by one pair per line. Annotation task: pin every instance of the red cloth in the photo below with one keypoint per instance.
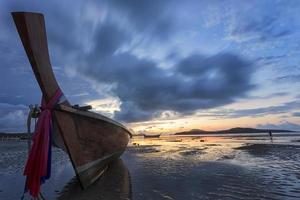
x,y
36,166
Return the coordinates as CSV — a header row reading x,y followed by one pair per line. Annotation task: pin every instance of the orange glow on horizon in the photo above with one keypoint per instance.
x,y
205,123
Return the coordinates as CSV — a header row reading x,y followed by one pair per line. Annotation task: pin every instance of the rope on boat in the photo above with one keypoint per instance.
x,y
34,112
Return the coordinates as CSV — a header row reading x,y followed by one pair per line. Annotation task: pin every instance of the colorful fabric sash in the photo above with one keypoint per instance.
x,y
38,166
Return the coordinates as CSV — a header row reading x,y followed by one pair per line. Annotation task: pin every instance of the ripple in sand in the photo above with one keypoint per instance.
x,y
144,149
193,152
279,165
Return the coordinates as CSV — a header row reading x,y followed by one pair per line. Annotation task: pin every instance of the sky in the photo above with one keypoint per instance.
x,y
162,66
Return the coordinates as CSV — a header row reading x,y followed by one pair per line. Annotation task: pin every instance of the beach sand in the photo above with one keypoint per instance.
x,y
173,168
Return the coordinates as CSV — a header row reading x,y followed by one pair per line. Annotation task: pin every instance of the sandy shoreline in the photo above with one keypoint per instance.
x,y
172,169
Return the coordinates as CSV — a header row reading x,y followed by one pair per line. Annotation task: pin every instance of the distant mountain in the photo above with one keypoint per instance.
x,y
232,130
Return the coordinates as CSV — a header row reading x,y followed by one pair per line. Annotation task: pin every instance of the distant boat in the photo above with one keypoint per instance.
x,y
90,139
152,136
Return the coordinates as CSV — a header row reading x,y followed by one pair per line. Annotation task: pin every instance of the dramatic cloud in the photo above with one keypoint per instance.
x,y
254,112
108,38
293,78
156,57
296,114
252,22
147,17
278,109
13,117
282,125
146,90
17,80
269,96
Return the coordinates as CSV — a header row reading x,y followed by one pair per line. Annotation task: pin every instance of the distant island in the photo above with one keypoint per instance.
x,y
21,136
232,131
236,130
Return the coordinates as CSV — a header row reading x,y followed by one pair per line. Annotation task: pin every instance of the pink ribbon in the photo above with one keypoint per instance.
x,y
37,166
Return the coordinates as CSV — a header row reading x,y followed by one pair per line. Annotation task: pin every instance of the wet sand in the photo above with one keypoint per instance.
x,y
173,168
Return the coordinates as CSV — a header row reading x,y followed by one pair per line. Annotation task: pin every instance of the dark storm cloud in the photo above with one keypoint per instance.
x,y
145,90
148,17
108,38
65,41
130,112
218,76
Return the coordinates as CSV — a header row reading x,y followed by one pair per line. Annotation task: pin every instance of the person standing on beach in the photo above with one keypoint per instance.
x,y
271,136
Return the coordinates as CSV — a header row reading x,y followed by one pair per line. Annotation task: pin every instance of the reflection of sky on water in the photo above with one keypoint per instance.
x,y
174,168
12,162
191,148
214,167
202,148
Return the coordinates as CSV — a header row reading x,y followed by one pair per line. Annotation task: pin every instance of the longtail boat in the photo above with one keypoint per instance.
x,y
91,140
152,136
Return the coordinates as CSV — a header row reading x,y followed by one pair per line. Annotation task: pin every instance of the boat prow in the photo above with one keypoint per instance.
x,y
91,140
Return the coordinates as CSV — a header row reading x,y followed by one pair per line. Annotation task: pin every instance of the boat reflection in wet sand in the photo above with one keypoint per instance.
x,y
115,183
91,140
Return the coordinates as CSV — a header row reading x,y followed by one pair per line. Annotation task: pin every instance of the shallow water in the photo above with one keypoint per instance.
x,y
189,167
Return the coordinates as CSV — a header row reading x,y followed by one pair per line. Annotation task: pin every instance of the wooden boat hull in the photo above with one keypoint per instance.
x,y
90,139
